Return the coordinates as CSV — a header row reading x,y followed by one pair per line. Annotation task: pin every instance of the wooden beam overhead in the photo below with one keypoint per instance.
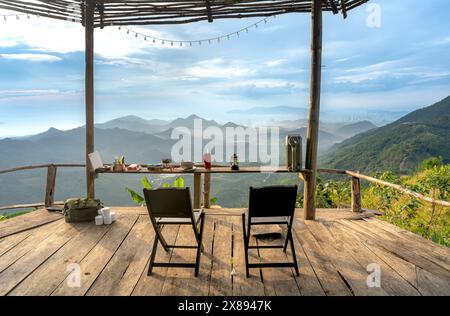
x,y
142,12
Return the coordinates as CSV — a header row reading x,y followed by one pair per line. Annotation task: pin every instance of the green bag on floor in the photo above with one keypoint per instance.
x,y
81,210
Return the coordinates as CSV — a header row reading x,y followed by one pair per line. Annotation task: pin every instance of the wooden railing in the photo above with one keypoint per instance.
x,y
356,201
49,198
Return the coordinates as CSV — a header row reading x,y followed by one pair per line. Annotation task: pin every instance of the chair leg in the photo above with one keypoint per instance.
x,y
286,241
153,255
294,257
247,273
200,245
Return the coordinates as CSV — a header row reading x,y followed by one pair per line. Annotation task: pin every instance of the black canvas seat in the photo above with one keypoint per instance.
x,y
273,205
172,206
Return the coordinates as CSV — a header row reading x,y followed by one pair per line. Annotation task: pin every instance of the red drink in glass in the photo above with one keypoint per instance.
x,y
207,160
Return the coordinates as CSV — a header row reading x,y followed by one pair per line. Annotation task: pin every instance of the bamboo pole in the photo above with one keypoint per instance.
x,y
50,186
197,190
398,188
207,190
356,195
314,109
89,90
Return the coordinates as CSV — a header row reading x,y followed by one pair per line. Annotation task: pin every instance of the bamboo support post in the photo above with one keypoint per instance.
x,y
197,190
50,187
207,190
89,91
314,109
356,195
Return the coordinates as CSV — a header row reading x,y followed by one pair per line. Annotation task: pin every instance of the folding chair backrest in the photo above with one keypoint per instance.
x,y
169,202
272,201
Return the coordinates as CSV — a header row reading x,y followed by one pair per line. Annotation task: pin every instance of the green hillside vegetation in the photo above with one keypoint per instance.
x,y
399,146
431,178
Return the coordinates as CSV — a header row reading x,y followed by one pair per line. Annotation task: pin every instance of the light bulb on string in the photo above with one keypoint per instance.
x,y
181,44
17,17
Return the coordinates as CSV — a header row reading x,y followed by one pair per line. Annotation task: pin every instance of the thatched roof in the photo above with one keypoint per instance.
x,y
143,12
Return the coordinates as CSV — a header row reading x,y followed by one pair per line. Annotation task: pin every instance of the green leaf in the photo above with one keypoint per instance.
x,y
213,200
135,197
178,182
145,183
166,185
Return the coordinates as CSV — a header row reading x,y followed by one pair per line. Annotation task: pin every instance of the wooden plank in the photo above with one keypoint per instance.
x,y
27,221
23,267
443,262
7,243
307,282
181,281
397,248
354,274
28,244
49,275
122,273
431,285
50,186
277,281
92,265
439,252
152,285
312,134
221,283
243,286
392,282
327,274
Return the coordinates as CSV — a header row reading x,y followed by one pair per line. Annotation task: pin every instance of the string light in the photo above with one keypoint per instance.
x,y
155,40
200,41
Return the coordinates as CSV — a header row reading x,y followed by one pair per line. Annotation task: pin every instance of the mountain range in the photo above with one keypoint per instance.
x,y
399,146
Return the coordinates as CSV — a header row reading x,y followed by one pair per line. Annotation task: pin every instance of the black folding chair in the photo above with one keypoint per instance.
x,y
172,206
270,206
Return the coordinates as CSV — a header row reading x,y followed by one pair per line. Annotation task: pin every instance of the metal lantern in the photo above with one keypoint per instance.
x,y
234,162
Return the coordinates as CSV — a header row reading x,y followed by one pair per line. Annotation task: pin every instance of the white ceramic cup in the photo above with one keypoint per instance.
x,y
113,216
107,220
106,211
99,220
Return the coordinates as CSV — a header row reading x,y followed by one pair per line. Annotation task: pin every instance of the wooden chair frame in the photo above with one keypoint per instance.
x,y
158,224
284,220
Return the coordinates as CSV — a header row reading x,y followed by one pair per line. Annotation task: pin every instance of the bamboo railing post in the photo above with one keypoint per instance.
x,y
207,190
50,186
89,95
356,195
314,109
197,190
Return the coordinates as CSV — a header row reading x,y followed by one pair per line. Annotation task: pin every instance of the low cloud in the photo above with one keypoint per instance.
x,y
32,57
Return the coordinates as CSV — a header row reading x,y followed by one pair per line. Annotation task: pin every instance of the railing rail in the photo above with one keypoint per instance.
x,y
356,201
49,198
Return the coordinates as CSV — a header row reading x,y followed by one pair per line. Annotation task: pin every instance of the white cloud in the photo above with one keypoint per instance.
x,y
32,57
51,36
260,84
276,62
219,68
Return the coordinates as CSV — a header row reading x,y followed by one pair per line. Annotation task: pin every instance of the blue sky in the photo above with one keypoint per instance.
x,y
400,66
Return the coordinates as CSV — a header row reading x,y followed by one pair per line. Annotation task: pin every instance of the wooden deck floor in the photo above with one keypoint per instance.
x,y
38,252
